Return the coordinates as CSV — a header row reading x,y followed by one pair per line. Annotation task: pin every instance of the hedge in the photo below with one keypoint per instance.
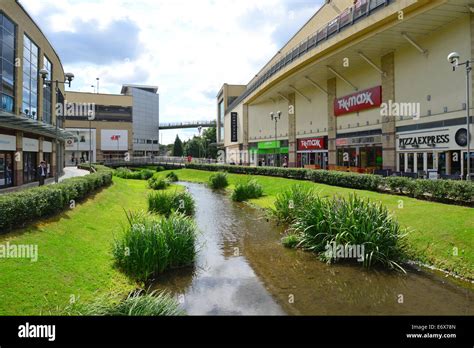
x,y
445,191
19,208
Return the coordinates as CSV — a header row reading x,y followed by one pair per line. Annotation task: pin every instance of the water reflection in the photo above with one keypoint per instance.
x,y
242,269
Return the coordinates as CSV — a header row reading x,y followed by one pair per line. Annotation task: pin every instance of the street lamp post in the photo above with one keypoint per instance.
x,y
454,58
199,147
69,77
275,118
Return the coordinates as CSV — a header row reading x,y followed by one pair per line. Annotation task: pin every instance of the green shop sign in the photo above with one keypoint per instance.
x,y
269,145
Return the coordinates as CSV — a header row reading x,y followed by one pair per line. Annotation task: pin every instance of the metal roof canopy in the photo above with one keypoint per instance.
x,y
25,124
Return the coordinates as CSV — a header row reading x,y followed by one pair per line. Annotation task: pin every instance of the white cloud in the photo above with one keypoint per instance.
x,y
188,48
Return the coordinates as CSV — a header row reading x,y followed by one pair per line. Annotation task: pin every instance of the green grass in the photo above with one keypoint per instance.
x,y
75,254
436,230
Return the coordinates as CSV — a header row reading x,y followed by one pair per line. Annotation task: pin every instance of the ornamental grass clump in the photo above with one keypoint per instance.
x,y
172,177
291,201
218,181
351,222
247,190
137,303
158,183
150,245
166,203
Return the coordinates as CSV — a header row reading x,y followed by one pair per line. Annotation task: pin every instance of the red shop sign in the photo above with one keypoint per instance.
x,y
362,100
311,144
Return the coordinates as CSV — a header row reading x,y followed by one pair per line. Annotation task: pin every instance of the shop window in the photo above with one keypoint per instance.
x,y
420,157
401,161
411,162
430,160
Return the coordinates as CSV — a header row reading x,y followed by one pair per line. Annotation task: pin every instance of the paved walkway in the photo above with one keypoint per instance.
x,y
69,172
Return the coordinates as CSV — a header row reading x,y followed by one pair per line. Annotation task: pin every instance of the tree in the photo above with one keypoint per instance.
x,y
210,137
193,147
178,147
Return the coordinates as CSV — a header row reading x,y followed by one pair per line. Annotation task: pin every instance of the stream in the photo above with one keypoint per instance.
x,y
242,269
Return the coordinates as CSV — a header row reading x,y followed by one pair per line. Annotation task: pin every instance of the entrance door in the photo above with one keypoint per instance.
x,y
3,170
442,163
464,164
455,162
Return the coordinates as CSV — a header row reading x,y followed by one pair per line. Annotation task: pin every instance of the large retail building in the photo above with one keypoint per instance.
x,y
27,117
112,126
363,85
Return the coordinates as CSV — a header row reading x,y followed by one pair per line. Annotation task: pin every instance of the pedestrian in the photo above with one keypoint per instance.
x,y
42,172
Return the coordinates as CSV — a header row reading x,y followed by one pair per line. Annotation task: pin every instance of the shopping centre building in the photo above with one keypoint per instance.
x,y
362,86
112,126
27,117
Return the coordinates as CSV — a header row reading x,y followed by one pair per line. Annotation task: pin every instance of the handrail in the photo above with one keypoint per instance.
x,y
348,17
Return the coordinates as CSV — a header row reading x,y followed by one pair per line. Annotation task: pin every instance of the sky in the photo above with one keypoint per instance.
x,y
188,48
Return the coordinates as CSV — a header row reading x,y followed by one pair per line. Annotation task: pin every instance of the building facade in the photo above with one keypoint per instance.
x,y
102,125
28,133
362,86
146,119
112,126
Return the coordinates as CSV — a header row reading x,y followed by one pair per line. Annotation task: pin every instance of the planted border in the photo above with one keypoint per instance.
x,y
444,191
20,208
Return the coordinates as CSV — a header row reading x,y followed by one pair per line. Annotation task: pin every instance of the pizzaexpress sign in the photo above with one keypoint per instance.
x,y
443,138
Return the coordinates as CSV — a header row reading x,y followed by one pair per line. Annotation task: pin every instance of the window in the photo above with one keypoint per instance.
x,y
30,79
48,93
7,63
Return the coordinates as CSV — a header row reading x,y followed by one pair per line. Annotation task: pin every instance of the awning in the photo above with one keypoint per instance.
x,y
25,124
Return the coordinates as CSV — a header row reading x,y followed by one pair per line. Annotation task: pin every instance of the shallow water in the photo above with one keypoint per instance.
x,y
242,269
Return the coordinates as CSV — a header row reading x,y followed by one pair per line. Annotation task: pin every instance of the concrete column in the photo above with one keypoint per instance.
x,y
40,150
292,156
18,165
388,122
332,123
245,135
449,158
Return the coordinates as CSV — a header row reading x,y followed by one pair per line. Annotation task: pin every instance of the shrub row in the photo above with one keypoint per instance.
x,y
446,191
20,208
126,173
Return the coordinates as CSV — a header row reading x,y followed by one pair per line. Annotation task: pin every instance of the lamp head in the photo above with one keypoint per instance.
x,y
453,59
44,74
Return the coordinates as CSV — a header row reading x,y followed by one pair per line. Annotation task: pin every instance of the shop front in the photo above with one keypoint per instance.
x,y
440,150
312,153
30,160
48,156
77,149
273,153
359,154
7,152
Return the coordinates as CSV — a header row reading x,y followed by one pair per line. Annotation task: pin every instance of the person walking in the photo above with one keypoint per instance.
x,y
42,172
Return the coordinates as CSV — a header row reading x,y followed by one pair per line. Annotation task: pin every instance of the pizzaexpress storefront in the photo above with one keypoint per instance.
x,y
440,150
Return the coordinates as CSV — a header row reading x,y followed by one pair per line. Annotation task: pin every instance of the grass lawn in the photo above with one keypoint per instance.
x,y
74,251
435,228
